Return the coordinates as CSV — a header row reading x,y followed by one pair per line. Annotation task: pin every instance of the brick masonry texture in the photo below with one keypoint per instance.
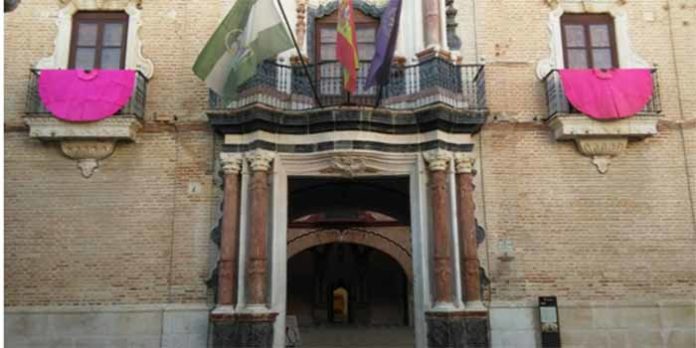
x,y
133,234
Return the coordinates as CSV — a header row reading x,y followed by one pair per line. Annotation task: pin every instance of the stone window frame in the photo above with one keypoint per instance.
x,y
626,56
134,58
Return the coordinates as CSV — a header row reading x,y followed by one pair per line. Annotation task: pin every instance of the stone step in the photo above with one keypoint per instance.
x,y
356,337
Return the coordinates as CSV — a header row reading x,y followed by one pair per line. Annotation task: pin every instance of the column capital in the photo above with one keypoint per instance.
x,y
437,159
231,163
464,162
260,160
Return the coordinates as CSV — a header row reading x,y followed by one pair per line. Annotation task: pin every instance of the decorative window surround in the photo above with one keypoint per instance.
x,y
601,140
90,142
134,55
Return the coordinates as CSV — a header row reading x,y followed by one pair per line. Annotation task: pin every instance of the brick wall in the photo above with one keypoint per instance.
x,y
134,234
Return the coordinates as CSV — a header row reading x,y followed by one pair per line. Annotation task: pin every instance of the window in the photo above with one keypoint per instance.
x,y
589,41
330,74
98,40
365,33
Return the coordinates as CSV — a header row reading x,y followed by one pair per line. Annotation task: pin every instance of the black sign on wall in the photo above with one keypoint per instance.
x,y
548,321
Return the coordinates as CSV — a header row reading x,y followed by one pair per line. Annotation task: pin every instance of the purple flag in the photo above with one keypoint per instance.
x,y
380,67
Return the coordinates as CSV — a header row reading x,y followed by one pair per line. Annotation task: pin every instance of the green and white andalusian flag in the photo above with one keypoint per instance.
x,y
250,33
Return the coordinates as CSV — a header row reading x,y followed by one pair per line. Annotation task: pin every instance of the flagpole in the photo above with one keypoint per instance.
x,y
379,96
299,53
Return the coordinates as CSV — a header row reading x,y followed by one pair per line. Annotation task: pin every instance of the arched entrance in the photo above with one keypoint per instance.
x,y
349,271
354,293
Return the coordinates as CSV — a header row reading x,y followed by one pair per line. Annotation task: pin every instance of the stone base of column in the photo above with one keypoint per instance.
x,y
243,330
457,329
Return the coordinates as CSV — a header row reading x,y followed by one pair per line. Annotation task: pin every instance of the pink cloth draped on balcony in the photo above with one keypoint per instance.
x,y
81,96
608,94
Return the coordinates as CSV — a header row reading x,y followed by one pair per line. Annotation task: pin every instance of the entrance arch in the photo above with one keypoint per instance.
x,y
376,238
347,285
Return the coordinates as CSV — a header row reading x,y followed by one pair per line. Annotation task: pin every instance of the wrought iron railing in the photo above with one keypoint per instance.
x,y
410,86
135,106
558,103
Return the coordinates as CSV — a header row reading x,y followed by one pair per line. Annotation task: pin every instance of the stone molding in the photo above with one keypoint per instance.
x,y
231,163
88,153
602,140
134,46
260,160
49,128
628,58
437,159
325,162
568,127
464,162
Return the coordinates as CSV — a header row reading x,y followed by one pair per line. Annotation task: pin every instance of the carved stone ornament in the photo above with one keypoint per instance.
x,y
348,165
602,150
464,162
627,57
602,140
134,46
260,160
231,163
437,159
88,153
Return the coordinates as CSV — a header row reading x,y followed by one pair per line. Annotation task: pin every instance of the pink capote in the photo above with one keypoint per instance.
x,y
80,96
607,94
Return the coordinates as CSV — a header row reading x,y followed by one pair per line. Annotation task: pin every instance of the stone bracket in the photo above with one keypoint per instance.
x,y
602,140
87,143
88,153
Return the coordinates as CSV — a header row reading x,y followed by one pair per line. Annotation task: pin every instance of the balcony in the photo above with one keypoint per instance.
x,y
433,81
558,103
122,126
134,108
602,140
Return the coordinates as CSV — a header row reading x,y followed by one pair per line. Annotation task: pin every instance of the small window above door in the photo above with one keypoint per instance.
x,y
98,40
589,41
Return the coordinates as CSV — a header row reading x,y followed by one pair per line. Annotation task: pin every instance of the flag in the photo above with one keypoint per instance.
x,y
346,45
380,66
250,33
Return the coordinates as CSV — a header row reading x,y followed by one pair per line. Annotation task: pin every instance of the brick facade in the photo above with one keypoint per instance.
x,y
138,231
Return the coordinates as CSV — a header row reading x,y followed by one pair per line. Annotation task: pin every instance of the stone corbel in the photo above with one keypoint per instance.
x,y
602,150
87,153
89,142
602,140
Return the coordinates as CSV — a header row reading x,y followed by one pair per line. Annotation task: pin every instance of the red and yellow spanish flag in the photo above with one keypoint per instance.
x,y
346,46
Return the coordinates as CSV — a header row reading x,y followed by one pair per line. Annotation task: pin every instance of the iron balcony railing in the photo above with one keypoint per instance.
x,y
288,87
558,103
135,106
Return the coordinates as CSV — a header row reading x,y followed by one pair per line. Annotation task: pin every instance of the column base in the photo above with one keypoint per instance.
x,y
457,329
243,330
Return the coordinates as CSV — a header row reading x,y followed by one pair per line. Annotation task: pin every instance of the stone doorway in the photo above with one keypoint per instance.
x,y
349,271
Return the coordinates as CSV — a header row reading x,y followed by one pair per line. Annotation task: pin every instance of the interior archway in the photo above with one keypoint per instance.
x,y
347,284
